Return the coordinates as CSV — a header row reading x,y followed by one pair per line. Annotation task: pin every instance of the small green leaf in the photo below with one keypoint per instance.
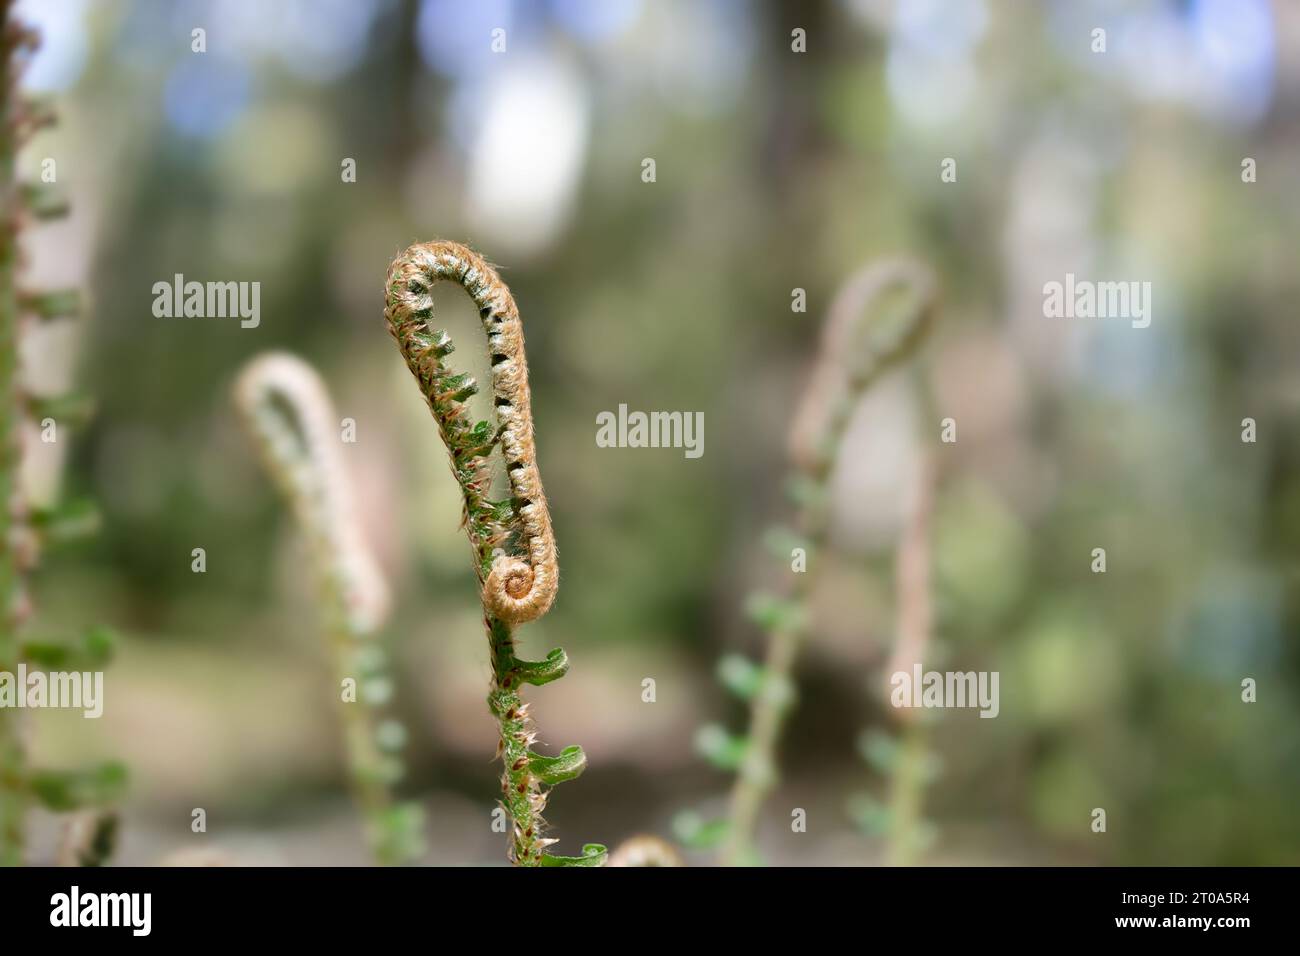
x,y
879,750
441,343
50,655
370,660
398,834
740,675
773,613
538,673
478,441
593,854
390,735
806,492
567,764
96,838
64,790
59,304
72,409
66,522
44,202
99,644
869,815
459,387
780,542
721,748
376,691
697,833
91,652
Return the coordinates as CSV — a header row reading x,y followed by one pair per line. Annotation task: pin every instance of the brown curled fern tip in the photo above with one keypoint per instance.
x,y
850,360
513,544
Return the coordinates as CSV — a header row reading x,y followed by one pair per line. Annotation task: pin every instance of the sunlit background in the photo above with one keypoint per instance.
x,y
775,170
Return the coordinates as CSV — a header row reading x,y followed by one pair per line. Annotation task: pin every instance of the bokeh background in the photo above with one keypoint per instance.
x,y
775,170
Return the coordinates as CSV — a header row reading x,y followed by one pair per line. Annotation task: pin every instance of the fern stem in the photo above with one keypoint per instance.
x,y
12,800
757,773
15,39
24,531
915,623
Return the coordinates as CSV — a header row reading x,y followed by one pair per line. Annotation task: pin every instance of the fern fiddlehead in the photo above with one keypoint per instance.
x,y
512,541
288,413
850,362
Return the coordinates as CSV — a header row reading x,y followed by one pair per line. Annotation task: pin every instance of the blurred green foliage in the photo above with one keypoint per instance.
x,y
775,171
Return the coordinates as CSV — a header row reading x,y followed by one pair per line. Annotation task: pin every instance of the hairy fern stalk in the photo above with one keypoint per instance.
x,y
287,411
858,347
24,531
512,541
898,754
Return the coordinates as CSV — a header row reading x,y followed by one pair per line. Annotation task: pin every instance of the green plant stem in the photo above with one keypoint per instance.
x,y
522,791
915,616
13,795
771,703
366,763
907,787
757,774
22,531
